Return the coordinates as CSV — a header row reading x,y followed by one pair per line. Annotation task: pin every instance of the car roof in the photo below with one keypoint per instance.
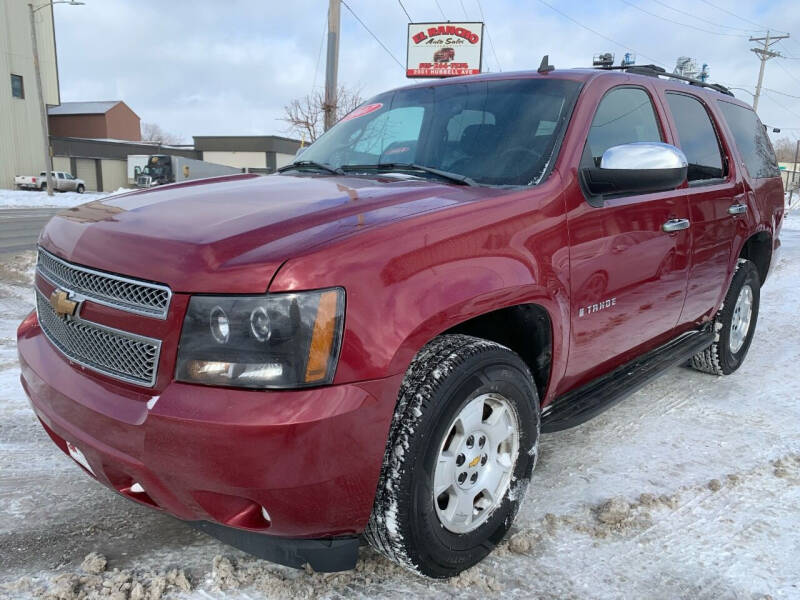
x,y
585,75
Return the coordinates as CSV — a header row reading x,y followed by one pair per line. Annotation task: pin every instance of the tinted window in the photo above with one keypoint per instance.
x,y
697,137
17,89
751,140
495,132
624,115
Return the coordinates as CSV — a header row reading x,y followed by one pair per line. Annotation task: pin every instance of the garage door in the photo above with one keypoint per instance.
x,y
87,172
115,174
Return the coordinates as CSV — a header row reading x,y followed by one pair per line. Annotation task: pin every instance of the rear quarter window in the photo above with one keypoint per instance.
x,y
751,140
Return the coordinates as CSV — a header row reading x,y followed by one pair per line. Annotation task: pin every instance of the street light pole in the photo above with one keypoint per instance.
x,y
48,160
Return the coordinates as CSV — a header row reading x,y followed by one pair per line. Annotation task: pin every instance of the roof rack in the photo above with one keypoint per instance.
x,y
656,71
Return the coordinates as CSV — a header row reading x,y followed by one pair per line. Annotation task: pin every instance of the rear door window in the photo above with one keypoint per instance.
x,y
625,115
751,140
697,137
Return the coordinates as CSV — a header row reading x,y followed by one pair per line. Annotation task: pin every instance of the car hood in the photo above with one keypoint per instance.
x,y
231,234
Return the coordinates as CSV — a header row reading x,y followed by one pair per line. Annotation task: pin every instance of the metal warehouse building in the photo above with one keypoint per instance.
x,y
257,153
22,145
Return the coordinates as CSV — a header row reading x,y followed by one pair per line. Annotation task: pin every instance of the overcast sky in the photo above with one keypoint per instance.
x,y
206,67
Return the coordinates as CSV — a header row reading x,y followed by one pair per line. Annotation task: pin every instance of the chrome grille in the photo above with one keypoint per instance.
x,y
116,353
131,295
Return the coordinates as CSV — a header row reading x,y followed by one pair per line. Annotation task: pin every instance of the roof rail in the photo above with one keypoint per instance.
x,y
656,71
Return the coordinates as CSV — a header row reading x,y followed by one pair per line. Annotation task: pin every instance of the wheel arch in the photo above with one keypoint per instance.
x,y
758,249
531,326
526,329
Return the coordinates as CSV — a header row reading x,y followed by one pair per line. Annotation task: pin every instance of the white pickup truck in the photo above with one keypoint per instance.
x,y
62,182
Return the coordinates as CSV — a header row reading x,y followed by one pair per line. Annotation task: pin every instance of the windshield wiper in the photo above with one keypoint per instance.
x,y
454,177
311,163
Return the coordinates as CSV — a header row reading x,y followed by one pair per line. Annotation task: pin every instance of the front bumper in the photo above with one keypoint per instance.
x,y
310,457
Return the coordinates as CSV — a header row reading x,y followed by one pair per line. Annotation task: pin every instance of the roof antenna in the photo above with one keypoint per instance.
x,y
546,67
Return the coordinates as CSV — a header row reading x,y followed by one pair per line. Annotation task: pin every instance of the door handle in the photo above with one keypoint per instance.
x,y
737,209
676,225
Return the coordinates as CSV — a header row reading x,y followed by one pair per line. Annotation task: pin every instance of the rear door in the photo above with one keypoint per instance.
x,y
714,195
628,277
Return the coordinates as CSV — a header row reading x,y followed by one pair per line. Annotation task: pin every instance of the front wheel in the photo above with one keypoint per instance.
x,y
734,324
81,189
461,449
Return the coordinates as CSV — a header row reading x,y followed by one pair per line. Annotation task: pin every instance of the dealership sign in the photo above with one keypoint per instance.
x,y
444,49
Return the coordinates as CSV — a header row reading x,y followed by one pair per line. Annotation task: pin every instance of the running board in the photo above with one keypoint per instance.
x,y
583,403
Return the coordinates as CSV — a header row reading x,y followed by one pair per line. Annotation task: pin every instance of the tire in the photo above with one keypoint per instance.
x,y
81,189
731,342
451,378
43,187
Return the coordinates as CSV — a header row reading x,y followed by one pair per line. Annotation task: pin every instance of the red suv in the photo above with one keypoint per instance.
x,y
368,344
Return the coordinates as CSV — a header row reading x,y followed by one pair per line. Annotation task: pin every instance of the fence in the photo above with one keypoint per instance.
x,y
791,185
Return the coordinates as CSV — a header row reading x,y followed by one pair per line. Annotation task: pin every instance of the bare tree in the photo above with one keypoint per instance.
x,y
306,116
151,132
785,149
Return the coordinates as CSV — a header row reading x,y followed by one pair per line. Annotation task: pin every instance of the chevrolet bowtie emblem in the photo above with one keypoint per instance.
x,y
61,303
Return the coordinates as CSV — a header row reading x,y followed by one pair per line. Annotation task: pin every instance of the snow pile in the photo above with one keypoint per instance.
x,y
92,582
36,199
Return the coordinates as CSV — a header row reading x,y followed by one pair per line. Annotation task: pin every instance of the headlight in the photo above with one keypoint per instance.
x,y
271,341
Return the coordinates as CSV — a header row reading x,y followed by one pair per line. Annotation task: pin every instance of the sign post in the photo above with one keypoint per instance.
x,y
444,49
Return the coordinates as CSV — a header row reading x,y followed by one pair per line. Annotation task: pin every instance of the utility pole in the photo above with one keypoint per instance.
x,y
764,54
48,164
332,64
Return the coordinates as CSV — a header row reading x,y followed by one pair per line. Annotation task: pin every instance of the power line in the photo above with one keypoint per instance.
x,y
319,53
410,20
440,9
782,93
369,31
785,70
597,33
709,21
466,16
489,35
784,107
647,12
741,18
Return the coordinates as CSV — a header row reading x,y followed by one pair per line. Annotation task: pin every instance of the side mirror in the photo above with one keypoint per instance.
x,y
639,167
300,150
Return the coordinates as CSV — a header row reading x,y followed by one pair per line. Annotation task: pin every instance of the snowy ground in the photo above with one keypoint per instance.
x,y
36,199
690,488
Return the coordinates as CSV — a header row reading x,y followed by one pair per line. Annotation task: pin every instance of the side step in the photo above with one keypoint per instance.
x,y
583,403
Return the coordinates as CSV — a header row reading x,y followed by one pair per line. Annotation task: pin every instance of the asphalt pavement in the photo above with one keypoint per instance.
x,y
20,227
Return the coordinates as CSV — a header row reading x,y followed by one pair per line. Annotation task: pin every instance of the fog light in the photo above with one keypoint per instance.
x,y
265,514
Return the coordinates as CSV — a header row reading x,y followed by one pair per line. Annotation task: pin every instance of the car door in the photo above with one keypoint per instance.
x,y
60,182
713,196
628,276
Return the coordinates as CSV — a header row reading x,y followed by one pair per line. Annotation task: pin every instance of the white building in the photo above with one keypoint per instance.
x,y
22,145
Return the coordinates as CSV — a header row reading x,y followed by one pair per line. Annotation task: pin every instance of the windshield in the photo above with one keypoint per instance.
x,y
492,132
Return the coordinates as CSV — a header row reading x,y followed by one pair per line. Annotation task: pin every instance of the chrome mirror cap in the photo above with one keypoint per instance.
x,y
643,156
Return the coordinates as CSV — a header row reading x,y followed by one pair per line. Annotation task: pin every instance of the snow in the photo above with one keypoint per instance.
x,y
689,488
36,199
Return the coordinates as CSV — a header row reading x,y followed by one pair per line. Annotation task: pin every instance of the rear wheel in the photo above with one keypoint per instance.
x,y
734,324
461,449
